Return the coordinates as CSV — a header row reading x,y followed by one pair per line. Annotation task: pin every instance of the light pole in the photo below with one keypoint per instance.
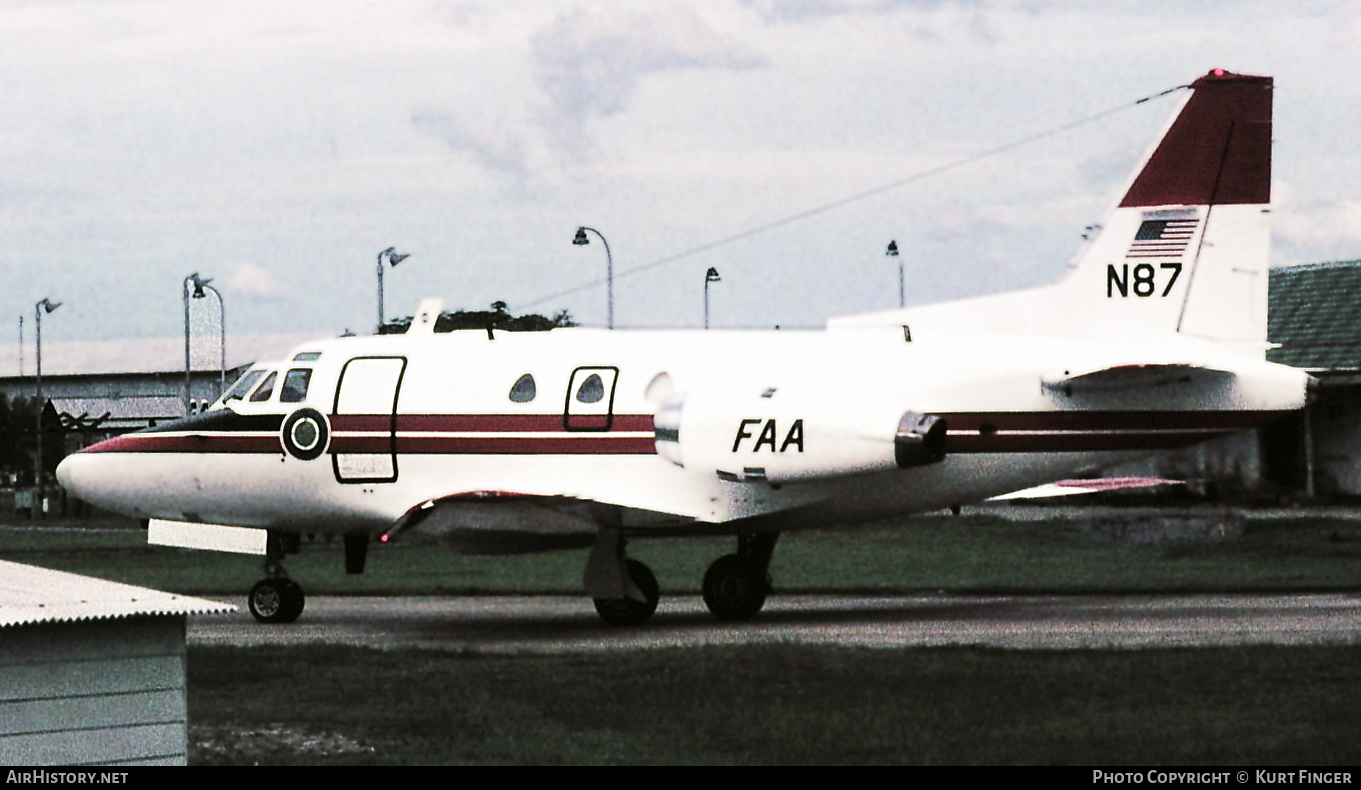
x,y
200,286
710,276
892,252
609,265
394,258
45,305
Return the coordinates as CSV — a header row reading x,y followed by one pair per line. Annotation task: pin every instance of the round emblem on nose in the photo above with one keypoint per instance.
x,y
305,434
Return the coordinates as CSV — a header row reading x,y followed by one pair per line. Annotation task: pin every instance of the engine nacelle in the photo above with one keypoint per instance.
x,y
786,436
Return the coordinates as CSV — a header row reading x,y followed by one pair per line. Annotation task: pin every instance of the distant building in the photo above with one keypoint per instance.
x,y
135,383
91,672
1315,318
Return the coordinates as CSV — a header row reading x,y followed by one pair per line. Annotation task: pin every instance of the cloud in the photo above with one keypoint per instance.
x,y
248,279
500,147
589,65
1319,230
933,20
583,66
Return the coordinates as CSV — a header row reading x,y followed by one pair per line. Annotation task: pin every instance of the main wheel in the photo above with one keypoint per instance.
x,y
734,589
276,601
294,600
626,611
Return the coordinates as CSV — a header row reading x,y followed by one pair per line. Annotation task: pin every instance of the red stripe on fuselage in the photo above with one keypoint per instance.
x,y
503,434
479,423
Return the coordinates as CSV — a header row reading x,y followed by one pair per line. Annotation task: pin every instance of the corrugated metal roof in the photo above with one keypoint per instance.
x,y
145,355
130,409
40,595
1316,316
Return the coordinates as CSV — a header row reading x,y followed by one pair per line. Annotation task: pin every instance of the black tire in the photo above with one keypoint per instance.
x,y
627,611
734,589
276,601
294,601
266,601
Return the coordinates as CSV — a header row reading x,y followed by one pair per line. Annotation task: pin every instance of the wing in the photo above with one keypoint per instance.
x,y
504,522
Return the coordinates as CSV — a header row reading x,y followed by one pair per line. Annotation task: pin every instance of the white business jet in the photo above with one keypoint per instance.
x,y
533,441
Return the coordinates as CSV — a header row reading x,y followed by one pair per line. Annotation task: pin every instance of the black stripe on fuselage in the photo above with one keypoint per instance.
x,y
225,420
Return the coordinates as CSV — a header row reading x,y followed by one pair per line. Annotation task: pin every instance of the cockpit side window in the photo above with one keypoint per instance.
x,y
243,385
294,389
523,391
265,390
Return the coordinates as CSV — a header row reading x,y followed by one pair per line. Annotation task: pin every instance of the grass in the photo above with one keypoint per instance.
x,y
774,704
969,553
779,705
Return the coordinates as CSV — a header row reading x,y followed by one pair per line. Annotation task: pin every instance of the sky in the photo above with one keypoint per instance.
x,y
277,147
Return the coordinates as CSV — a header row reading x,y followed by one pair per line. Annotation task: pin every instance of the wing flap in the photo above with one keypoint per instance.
x,y
502,522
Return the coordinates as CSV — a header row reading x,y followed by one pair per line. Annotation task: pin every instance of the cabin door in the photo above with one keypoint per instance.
x,y
364,423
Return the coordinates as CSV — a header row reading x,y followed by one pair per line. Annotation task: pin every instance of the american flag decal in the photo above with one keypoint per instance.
x,y
1162,238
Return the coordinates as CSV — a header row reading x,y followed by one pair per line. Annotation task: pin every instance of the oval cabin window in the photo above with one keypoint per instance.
x,y
523,391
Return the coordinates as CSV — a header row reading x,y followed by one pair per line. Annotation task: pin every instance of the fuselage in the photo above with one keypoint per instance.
x,y
767,429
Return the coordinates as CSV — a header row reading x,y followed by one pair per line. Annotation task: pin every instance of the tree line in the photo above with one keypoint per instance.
x,y
18,424
498,317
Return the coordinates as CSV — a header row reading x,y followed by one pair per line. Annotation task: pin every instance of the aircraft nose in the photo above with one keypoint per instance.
x,y
94,478
69,475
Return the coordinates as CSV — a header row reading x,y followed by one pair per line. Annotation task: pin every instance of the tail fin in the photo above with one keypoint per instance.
x,y
1184,250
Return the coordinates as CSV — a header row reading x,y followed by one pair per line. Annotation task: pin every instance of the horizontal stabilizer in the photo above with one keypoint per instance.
x,y
1133,377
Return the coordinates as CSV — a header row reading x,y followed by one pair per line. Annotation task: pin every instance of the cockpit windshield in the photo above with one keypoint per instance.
x,y
242,386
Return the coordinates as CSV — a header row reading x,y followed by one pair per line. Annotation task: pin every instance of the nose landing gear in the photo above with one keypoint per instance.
x,y
277,598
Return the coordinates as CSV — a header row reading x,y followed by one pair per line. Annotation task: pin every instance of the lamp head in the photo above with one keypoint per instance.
x,y
711,276
395,258
581,237
199,283
892,250
48,305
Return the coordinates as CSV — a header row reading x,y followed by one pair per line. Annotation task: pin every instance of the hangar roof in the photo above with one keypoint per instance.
x,y
39,595
1314,316
145,355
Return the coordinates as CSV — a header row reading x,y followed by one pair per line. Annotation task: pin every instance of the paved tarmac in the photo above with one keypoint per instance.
x,y
555,625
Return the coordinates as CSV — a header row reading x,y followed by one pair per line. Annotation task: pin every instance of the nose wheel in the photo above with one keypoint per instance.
x,y
276,600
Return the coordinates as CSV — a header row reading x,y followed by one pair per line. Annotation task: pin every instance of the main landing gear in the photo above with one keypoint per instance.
x,y
736,585
625,591
631,610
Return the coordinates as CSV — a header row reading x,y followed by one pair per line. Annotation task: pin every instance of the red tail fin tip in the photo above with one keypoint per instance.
x,y
1217,151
